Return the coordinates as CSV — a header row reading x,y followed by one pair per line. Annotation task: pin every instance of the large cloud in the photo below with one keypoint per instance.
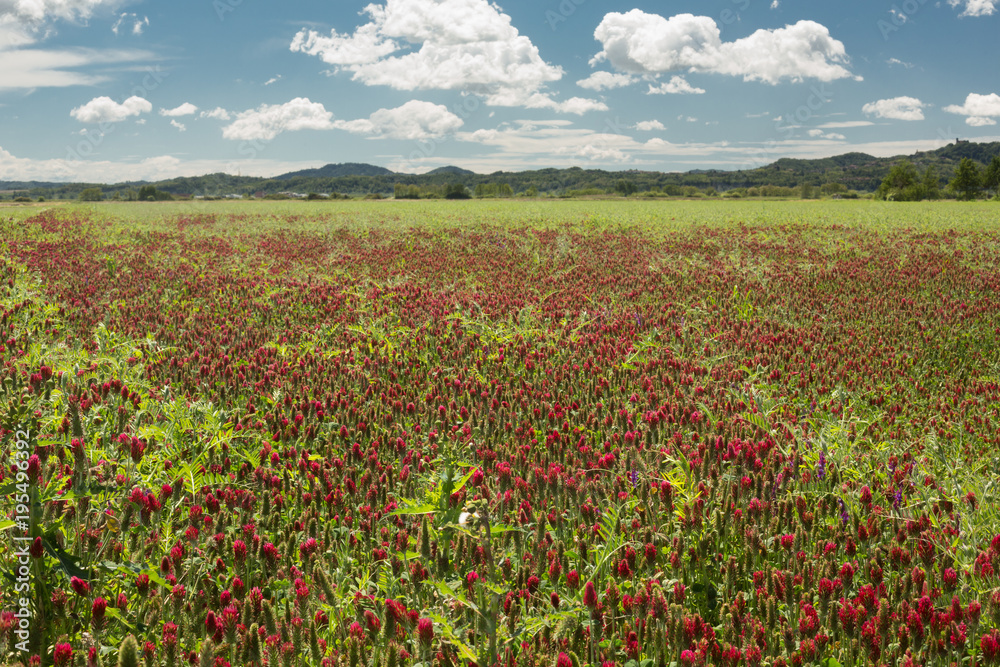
x,y
896,108
642,43
44,10
979,109
106,110
975,7
466,45
269,120
25,22
414,120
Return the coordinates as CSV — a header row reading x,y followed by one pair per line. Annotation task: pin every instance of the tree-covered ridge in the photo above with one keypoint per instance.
x,y
858,172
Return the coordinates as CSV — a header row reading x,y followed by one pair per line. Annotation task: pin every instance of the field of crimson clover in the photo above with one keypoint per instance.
x,y
384,434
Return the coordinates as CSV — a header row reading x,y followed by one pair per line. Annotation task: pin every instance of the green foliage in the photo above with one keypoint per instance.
x,y
456,191
931,184
91,194
991,177
483,190
150,193
968,180
904,184
900,184
626,187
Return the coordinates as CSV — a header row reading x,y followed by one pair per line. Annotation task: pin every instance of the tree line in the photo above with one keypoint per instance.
x,y
970,182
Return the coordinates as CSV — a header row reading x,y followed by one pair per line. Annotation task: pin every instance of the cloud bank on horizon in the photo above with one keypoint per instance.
x,y
417,84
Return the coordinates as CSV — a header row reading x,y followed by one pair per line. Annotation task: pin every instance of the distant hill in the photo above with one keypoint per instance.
x,y
10,186
856,171
458,171
336,171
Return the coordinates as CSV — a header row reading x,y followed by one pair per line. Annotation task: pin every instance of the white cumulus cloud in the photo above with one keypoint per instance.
x,y
677,85
218,113
642,43
605,81
106,110
577,105
414,120
980,110
649,125
185,109
820,134
180,126
602,154
975,7
466,45
269,120
896,108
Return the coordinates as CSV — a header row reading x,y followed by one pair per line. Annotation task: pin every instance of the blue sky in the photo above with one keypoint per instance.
x,y
109,90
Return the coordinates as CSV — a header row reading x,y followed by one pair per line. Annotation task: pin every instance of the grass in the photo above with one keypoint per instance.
x,y
656,217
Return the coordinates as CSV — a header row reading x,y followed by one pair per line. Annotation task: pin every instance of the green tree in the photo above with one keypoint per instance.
x,y
456,191
900,184
930,184
967,181
150,193
626,187
991,179
404,191
91,194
